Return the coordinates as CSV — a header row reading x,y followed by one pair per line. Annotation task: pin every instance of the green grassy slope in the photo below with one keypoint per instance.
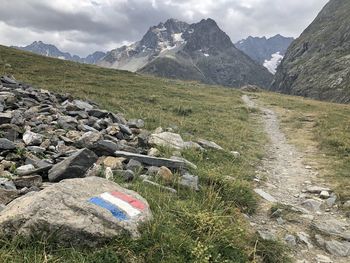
x,y
189,227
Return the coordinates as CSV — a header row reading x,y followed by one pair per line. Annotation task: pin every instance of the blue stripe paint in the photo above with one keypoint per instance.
x,y
110,207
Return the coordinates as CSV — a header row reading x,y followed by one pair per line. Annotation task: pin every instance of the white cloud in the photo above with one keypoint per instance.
x,y
83,26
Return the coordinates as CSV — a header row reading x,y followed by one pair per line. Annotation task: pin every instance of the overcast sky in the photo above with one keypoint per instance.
x,y
84,26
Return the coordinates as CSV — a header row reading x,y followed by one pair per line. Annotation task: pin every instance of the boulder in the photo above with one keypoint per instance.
x,y
165,174
24,169
209,145
134,166
80,212
5,117
332,227
127,175
7,195
104,147
6,144
88,139
113,162
67,122
152,161
32,138
7,184
136,123
167,139
338,248
28,181
75,166
312,205
189,181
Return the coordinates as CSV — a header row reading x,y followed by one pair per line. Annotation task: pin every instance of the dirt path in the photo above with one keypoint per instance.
x,y
306,217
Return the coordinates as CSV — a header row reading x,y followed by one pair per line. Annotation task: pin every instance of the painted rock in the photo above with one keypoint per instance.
x,y
86,212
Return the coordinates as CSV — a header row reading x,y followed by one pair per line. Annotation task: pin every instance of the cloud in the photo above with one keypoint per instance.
x,y
83,26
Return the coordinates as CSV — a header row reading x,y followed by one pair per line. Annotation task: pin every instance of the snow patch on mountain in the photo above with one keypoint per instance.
x,y
273,63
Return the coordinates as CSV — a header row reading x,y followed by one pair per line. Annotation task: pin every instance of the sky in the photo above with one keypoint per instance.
x,y
84,26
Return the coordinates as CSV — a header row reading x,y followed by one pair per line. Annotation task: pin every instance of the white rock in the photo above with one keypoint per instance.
x,y
32,138
24,168
265,195
324,194
167,139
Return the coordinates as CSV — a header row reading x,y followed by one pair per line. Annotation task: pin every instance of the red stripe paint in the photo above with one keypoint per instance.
x,y
129,199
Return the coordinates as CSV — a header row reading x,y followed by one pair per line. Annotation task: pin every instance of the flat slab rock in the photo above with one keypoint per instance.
x,y
84,211
167,139
152,161
332,227
265,195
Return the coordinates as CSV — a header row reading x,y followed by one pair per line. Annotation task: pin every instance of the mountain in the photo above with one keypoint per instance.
x,y
48,50
199,51
266,51
317,64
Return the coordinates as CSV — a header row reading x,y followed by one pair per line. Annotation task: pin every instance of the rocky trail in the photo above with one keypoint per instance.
x,y
297,206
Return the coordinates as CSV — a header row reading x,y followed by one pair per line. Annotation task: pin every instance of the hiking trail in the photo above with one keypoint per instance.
x,y
305,215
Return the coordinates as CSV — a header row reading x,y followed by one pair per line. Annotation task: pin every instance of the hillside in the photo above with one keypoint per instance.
x,y
200,51
316,64
179,221
216,223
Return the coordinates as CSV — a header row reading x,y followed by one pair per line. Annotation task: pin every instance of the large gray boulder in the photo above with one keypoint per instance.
x,y
167,139
84,212
74,166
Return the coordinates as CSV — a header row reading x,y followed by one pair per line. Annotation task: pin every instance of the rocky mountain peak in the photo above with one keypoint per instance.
x,y
206,35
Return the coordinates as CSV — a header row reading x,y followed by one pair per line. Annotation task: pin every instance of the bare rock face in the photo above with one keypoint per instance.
x,y
316,64
83,212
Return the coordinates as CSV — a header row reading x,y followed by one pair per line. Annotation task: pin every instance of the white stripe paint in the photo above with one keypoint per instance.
x,y
126,207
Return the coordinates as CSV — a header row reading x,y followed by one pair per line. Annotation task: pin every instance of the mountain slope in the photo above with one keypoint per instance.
x,y
266,51
317,64
200,51
199,111
48,50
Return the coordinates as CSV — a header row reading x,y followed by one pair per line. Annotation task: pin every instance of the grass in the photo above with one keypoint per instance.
x,y
204,226
323,130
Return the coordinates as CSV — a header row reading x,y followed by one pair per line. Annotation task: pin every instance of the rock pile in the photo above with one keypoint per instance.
x,y
48,137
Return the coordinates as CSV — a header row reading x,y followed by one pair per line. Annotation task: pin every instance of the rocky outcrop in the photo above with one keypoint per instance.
x,y
317,64
55,149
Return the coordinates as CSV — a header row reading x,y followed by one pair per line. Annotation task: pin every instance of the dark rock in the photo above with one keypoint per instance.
x,y
152,161
5,117
28,181
134,166
67,122
98,113
104,147
136,123
74,166
125,129
127,175
6,144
